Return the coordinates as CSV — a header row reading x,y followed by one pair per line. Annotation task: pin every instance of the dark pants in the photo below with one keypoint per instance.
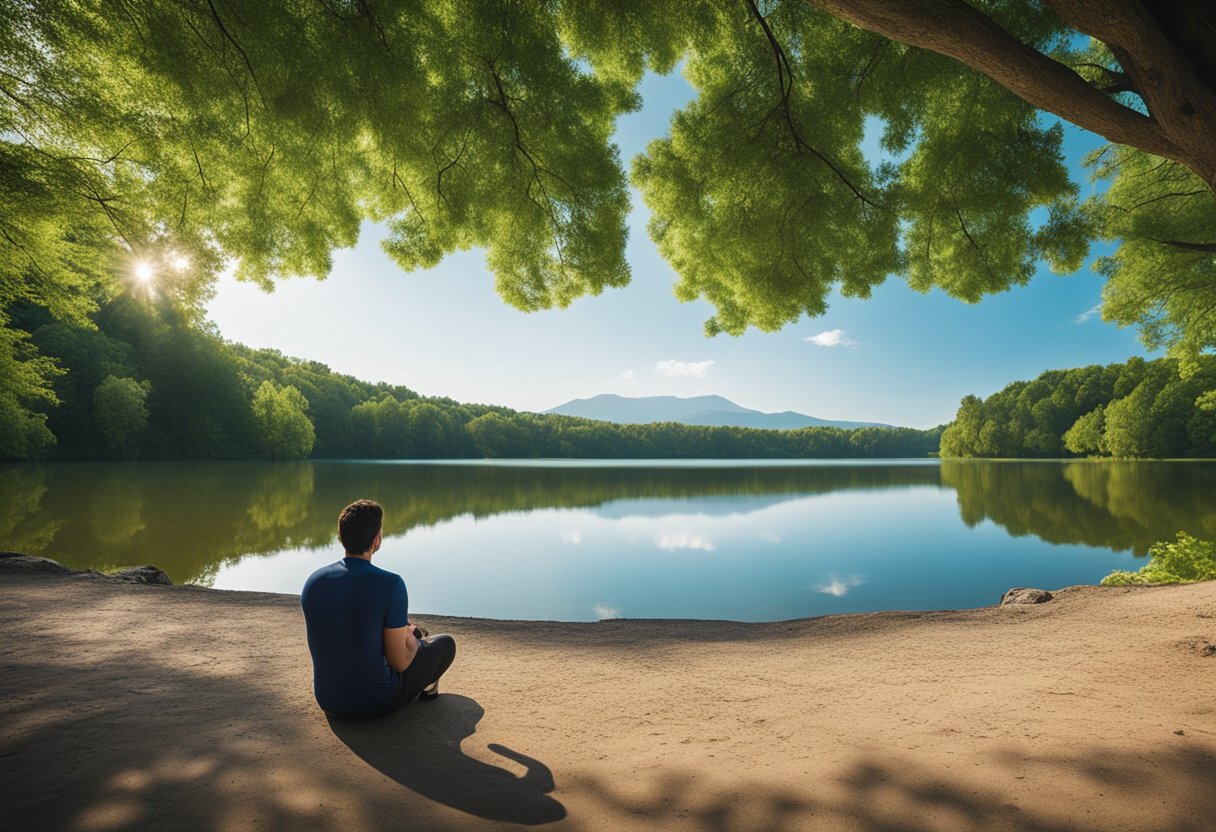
x,y
433,658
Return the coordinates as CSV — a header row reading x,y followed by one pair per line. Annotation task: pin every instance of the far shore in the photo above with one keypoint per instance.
x,y
137,707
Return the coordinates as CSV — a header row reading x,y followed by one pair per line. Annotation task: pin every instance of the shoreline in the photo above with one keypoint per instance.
x,y
18,563
130,706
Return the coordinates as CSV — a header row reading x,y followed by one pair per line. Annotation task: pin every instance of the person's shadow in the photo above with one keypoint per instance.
x,y
419,747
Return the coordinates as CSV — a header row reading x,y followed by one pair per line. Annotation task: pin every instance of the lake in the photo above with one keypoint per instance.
x,y
579,540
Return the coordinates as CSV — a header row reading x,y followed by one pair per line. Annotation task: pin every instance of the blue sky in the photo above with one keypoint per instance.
x,y
900,357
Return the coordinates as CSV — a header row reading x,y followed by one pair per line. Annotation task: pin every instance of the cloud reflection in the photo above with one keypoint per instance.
x,y
572,538
837,587
671,541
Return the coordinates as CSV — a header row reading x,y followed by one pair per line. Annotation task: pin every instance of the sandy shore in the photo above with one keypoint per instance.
x,y
144,707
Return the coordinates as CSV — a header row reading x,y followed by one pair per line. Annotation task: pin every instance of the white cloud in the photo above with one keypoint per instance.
x,y
674,369
1089,313
671,541
572,538
831,338
770,537
628,375
603,611
835,586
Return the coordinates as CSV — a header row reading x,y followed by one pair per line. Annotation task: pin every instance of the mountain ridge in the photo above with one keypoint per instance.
x,y
712,410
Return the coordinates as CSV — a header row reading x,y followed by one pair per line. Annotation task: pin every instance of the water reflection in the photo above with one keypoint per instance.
x,y
1114,505
191,518
196,519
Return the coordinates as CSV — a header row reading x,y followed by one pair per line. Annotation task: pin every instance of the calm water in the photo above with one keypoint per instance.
x,y
579,541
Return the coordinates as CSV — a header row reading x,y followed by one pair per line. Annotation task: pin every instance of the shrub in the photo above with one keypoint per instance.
x,y
1186,560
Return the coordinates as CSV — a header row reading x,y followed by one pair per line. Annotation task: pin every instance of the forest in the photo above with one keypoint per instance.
x,y
145,383
182,139
1140,408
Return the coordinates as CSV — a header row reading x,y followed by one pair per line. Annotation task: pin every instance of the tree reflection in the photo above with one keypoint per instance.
x,y
189,519
24,527
1114,505
116,512
282,497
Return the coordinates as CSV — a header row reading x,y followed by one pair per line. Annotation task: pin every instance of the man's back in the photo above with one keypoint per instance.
x,y
347,605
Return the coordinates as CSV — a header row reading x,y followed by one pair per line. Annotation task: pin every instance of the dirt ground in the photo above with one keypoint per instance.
x,y
146,707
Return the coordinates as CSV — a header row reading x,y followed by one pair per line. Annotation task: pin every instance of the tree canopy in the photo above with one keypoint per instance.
x,y
1136,409
284,429
169,137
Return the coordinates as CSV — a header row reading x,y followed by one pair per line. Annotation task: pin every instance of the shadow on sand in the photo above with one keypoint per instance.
x,y
419,747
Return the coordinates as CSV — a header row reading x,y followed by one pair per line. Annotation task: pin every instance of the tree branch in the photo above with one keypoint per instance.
x,y
785,81
244,55
1180,100
978,249
1182,244
960,31
502,102
1157,198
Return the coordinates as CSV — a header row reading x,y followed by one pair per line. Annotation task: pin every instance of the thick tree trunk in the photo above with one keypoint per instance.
x,y
1165,47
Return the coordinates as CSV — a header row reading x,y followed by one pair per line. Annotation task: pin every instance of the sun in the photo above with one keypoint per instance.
x,y
144,272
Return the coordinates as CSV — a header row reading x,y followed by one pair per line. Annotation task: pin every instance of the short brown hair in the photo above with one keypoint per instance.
x,y
358,525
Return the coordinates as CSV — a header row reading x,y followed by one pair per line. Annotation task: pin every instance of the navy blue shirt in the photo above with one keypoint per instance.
x,y
347,605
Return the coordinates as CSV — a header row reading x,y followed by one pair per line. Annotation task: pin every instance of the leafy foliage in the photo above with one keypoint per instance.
x,y
23,431
122,411
1186,560
1136,409
201,131
284,429
1162,274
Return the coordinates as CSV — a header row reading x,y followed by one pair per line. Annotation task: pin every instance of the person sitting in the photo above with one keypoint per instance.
x,y
368,659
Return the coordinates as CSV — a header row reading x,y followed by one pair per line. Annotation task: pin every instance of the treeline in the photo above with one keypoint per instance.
x,y
1137,409
147,383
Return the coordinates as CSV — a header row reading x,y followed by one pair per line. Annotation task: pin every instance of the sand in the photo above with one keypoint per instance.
x,y
145,707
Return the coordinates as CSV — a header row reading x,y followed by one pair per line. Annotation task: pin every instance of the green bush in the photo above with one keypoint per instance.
x,y
1184,561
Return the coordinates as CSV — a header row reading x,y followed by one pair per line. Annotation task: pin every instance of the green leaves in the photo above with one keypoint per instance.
x,y
1136,409
1163,275
121,411
1186,560
760,198
27,384
281,414
267,133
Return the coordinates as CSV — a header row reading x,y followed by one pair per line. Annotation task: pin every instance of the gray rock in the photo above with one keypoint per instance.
x,y
17,562
1024,595
140,575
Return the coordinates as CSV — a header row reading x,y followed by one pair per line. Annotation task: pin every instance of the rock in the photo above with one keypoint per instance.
x,y
140,575
1024,595
17,562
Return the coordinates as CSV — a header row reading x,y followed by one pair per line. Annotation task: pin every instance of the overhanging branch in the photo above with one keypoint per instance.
x,y
960,31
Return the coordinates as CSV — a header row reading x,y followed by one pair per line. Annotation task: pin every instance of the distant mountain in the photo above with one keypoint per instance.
x,y
697,410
